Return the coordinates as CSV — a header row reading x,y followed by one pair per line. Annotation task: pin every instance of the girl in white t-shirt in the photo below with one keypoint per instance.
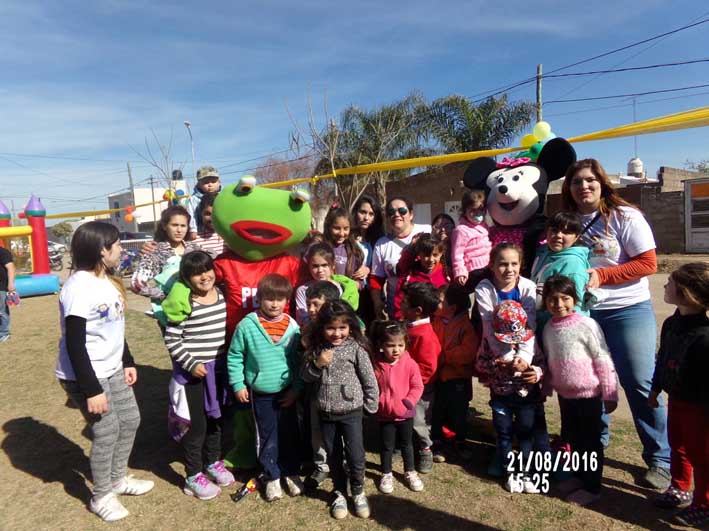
x,y
387,251
95,366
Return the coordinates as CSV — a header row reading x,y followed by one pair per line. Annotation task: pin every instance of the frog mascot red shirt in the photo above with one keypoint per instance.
x,y
258,226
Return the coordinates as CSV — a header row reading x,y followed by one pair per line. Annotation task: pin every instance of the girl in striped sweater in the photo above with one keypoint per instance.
x,y
198,385
581,371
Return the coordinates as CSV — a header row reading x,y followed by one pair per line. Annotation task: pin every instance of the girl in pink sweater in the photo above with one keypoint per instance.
x,y
470,241
581,371
400,387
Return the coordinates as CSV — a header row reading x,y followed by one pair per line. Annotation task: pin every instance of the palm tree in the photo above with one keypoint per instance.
x,y
459,125
392,131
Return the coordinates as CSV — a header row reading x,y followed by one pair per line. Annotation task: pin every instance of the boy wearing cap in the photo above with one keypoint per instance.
x,y
207,183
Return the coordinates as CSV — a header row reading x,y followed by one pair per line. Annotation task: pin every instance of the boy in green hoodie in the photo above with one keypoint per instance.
x,y
560,256
263,371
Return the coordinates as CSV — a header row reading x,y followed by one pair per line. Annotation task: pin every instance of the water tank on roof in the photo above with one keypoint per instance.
x,y
636,168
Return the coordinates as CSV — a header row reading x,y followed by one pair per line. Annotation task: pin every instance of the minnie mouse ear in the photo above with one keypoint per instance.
x,y
556,157
477,172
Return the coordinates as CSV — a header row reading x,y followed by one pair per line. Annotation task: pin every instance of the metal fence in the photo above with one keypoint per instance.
x,y
133,244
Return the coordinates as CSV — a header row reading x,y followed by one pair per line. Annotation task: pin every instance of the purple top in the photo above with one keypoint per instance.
x,y
4,212
340,259
214,394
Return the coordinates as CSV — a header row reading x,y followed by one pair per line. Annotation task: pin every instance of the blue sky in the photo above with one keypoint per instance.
x,y
85,81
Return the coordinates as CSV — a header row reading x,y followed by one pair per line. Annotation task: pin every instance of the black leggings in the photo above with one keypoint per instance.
x,y
388,432
349,429
202,442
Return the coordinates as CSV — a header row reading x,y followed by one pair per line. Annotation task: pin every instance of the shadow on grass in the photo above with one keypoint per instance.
x,y
153,449
399,513
634,470
631,507
41,451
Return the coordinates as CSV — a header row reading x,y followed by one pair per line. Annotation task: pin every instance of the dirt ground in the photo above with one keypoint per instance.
x,y
46,480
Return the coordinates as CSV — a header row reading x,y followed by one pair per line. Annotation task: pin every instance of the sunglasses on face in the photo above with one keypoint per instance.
x,y
402,211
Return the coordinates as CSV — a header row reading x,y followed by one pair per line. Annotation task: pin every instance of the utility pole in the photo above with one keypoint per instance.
x,y
152,193
539,93
132,195
635,138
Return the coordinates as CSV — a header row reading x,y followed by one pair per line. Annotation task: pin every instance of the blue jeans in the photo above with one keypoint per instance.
x,y
4,315
276,431
631,336
513,415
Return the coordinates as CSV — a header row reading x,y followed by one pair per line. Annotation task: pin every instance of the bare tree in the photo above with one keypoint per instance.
x,y
323,146
160,158
275,169
701,166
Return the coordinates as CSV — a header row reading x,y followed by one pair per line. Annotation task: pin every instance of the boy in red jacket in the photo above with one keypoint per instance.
x,y
420,262
419,303
454,388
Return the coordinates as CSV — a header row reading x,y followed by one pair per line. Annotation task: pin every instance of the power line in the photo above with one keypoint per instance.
x,y
621,105
279,163
627,59
628,69
500,90
632,45
256,158
630,95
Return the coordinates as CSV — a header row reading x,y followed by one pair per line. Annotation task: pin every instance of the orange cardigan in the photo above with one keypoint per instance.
x,y
459,346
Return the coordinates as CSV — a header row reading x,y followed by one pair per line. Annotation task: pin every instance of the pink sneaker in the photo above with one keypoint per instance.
x,y
200,487
220,475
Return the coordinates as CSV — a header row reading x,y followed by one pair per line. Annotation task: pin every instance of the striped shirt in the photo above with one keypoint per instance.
x,y
276,327
201,337
212,244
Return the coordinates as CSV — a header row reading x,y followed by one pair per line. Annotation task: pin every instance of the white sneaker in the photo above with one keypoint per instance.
x,y
133,487
514,484
273,490
528,486
414,481
294,485
108,508
386,483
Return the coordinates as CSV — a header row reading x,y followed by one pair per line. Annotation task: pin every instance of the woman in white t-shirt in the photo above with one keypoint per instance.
x,y
622,257
399,213
95,366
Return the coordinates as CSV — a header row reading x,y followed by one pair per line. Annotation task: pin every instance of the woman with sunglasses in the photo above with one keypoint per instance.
x,y
387,251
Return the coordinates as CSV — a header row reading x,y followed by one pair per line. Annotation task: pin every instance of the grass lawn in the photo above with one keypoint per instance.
x,y
44,465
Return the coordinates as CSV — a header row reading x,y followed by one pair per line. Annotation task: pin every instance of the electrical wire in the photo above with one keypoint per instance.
x,y
526,81
628,69
279,163
622,105
630,95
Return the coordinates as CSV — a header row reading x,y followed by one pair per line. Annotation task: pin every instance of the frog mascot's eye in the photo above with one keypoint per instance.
x,y
245,185
300,196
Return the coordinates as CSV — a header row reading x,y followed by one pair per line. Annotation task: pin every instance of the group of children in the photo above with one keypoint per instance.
x,y
325,370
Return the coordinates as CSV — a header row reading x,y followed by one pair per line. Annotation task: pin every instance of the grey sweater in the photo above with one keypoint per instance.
x,y
347,384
